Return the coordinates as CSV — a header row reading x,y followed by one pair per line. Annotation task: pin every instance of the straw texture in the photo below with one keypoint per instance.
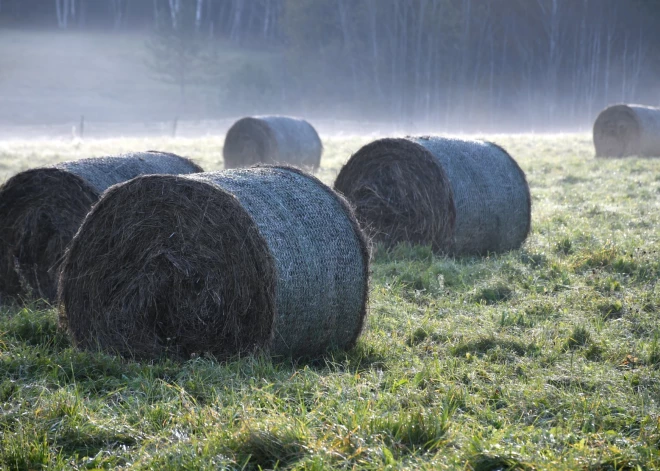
x,y
41,209
460,197
272,140
261,258
627,130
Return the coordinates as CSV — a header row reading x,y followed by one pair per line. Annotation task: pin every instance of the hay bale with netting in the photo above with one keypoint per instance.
x,y
627,130
42,208
272,140
220,263
460,197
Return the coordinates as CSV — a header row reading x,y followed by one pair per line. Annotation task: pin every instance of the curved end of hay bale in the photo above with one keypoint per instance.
x,y
250,141
40,211
187,271
220,263
400,194
272,140
617,132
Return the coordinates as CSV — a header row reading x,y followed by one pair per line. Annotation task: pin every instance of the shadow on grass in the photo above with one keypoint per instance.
x,y
491,462
89,442
493,294
269,448
362,357
484,345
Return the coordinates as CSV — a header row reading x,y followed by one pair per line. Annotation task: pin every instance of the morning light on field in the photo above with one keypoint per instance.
x,y
332,234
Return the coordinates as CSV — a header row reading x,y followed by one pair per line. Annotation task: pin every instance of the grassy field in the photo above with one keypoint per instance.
x,y
543,358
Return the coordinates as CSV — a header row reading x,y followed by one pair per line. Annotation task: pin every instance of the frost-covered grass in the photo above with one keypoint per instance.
x,y
543,358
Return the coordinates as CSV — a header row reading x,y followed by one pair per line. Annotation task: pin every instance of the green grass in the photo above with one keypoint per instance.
x,y
543,358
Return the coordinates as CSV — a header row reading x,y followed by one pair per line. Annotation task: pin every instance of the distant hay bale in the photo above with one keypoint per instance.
x,y
42,208
460,197
627,130
272,140
221,263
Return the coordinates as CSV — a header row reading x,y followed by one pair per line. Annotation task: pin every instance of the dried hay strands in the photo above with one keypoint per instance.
x,y
42,208
219,263
460,197
627,130
272,140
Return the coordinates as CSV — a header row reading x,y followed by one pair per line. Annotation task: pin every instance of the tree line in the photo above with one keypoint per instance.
x,y
454,63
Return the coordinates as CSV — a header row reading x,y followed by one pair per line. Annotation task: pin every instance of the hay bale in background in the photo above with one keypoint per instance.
x,y
460,197
627,130
272,140
220,263
41,210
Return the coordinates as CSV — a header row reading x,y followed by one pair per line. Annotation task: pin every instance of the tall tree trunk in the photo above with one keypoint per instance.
x,y
637,64
476,75
348,46
503,72
82,13
430,59
235,32
58,13
592,89
392,34
402,69
119,8
266,18
624,68
418,95
465,56
62,12
491,81
175,9
198,15
608,54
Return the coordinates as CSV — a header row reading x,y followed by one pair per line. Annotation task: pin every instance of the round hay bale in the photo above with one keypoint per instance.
x,y
459,197
42,208
627,130
221,263
272,140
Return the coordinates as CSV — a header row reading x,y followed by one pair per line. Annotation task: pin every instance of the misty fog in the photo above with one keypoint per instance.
x,y
142,67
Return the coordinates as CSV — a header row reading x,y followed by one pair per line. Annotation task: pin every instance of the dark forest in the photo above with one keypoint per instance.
x,y
489,64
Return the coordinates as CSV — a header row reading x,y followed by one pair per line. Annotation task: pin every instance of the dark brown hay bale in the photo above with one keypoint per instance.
x,y
272,140
221,263
627,130
400,193
41,209
461,197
